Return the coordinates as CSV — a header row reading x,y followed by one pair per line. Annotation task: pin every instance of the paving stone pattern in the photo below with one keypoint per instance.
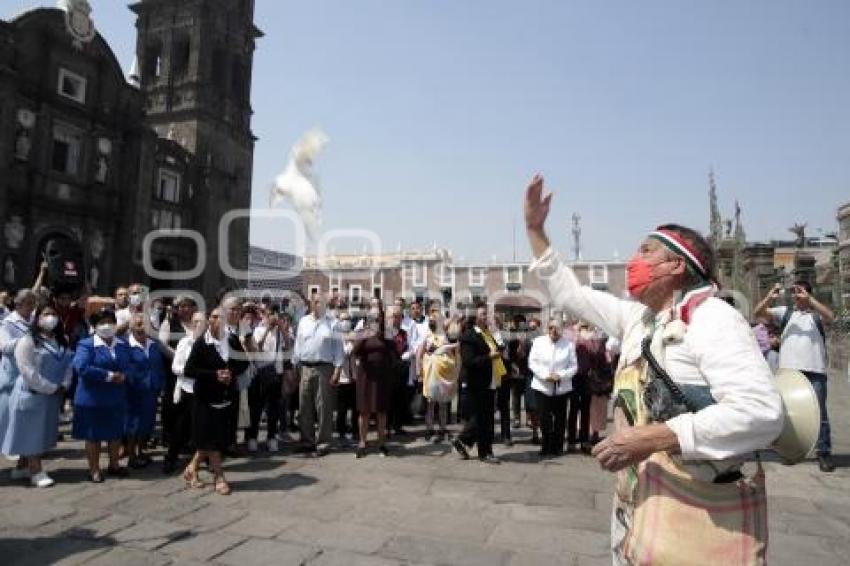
x,y
419,506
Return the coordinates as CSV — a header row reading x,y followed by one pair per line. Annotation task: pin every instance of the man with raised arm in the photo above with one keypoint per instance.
x,y
694,397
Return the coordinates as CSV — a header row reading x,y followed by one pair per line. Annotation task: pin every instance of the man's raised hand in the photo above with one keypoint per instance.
x,y
536,204
536,210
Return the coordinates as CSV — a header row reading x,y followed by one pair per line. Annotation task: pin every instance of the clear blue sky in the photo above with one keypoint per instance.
x,y
622,105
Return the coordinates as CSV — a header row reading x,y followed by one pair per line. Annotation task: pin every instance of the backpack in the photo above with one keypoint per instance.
x,y
787,317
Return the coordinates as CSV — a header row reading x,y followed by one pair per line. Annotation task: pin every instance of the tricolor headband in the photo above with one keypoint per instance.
x,y
676,244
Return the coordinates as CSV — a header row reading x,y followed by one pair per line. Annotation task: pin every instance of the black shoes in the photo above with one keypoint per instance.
x,y
825,463
360,452
490,459
384,450
461,450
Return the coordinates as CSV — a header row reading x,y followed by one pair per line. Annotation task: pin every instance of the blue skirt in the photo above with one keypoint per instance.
x,y
141,413
33,423
99,424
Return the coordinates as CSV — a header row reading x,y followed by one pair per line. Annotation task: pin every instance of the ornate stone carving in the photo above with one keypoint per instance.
x,y
96,245
78,20
14,232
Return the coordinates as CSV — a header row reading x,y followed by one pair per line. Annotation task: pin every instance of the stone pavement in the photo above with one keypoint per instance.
x,y
419,506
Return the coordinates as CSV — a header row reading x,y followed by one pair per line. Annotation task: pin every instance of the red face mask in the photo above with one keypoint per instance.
x,y
639,275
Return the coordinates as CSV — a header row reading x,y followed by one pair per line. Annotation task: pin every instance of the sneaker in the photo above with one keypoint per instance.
x,y
384,450
429,434
252,445
21,474
825,463
360,453
272,445
490,459
41,479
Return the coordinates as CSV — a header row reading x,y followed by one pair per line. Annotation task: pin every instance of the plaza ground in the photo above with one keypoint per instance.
x,y
419,506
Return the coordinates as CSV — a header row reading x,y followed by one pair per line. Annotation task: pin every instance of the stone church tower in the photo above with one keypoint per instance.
x,y
194,65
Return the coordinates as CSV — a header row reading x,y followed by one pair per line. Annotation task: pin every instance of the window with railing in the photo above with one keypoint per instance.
x,y
415,274
598,274
477,276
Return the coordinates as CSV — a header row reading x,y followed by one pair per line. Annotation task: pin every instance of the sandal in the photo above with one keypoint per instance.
x,y
222,487
192,480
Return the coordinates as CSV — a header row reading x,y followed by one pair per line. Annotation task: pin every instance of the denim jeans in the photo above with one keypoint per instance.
x,y
818,381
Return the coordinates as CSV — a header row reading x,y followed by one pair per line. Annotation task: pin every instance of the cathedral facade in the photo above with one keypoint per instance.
x,y
127,175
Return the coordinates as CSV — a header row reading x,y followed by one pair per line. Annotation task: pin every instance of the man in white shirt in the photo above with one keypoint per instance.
x,y
265,391
319,353
418,333
703,347
553,362
132,299
803,348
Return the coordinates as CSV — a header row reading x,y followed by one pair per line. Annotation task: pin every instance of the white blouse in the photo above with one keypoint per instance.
x,y
547,358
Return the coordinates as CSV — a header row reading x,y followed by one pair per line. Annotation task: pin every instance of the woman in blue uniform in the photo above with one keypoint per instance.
x,y
100,403
144,382
44,362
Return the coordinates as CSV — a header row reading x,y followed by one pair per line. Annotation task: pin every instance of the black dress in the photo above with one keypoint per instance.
x,y
213,399
373,374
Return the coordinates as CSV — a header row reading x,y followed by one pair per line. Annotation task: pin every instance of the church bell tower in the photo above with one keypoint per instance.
x,y
194,62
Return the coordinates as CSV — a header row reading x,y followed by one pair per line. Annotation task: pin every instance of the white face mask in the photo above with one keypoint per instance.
x,y
345,326
48,322
135,300
105,331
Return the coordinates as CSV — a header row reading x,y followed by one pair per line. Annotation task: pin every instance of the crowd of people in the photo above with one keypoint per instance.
x,y
314,383
694,397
